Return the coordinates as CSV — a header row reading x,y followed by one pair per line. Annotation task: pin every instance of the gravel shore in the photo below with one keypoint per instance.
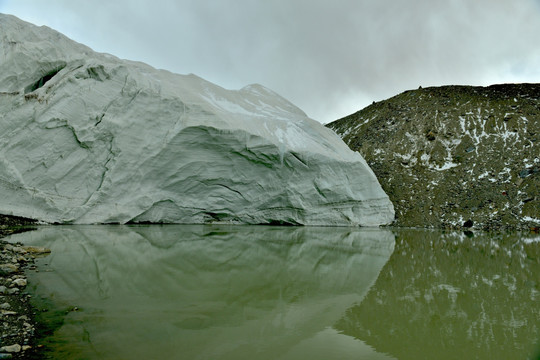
x,y
18,317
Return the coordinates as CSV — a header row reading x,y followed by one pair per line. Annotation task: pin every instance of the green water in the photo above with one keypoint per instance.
x,y
253,292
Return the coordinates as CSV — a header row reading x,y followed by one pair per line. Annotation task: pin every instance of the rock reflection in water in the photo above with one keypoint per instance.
x,y
207,292
453,296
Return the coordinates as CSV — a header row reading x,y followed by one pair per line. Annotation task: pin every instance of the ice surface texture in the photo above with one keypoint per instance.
x,y
86,137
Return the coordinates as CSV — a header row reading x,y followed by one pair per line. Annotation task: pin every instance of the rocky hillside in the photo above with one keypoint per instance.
x,y
455,156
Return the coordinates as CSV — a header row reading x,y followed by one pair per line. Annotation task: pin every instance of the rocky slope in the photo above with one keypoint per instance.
x,y
89,138
18,330
455,156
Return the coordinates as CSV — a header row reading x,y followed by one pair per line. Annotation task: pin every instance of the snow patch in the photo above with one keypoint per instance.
x,y
483,175
531,219
534,240
445,166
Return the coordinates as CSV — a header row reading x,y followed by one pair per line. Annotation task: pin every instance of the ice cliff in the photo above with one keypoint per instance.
x,y
86,137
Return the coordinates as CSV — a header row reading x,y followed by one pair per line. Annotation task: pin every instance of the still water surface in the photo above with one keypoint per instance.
x,y
254,292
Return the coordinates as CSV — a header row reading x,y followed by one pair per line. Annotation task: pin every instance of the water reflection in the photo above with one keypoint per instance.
x,y
249,292
207,292
452,296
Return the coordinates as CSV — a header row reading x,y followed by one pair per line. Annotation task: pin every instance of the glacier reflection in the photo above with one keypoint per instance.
x,y
207,292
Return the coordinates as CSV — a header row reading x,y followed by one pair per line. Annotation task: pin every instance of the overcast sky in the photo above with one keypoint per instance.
x,y
329,57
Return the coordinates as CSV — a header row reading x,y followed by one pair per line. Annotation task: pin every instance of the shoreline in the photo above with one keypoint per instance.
x,y
19,332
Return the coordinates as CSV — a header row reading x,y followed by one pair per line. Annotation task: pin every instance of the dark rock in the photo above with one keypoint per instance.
x,y
524,173
12,221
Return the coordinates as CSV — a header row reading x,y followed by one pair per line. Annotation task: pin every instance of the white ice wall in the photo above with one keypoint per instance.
x,y
108,140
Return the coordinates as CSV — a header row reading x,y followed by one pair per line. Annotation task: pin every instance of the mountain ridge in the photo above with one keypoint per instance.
x,y
454,156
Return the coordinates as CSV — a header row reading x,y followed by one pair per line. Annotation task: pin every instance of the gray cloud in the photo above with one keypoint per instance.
x,y
329,57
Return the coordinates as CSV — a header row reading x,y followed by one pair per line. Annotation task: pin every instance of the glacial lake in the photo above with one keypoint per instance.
x,y
256,292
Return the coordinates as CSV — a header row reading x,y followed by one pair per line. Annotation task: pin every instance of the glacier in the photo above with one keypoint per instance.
x,y
87,138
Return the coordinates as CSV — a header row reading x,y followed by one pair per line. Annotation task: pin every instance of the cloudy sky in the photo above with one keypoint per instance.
x,y
329,57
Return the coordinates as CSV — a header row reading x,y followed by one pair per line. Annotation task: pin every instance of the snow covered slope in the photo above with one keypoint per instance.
x,y
89,138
